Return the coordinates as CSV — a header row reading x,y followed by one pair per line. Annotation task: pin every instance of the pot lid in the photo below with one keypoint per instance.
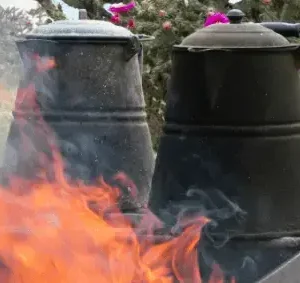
x,y
81,29
236,35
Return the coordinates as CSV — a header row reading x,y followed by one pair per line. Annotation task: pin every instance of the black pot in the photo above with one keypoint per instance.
x,y
93,102
231,140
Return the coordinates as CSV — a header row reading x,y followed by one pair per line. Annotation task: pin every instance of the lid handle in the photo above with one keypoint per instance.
x,y
82,14
235,16
132,47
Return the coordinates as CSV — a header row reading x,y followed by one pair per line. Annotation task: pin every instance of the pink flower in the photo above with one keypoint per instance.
x,y
115,19
122,8
167,25
216,18
131,24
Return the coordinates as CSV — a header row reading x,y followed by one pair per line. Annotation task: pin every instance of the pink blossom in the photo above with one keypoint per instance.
x,y
216,18
115,19
122,8
131,24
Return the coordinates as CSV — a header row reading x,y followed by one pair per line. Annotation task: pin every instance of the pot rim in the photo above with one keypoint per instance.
x,y
90,38
196,49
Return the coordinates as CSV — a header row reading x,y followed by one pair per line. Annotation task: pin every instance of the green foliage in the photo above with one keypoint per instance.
x,y
185,17
75,3
94,8
282,10
53,11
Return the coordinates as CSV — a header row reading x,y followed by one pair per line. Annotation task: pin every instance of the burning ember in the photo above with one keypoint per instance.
x,y
54,230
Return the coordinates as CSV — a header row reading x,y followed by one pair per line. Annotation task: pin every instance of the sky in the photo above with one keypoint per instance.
x,y
70,12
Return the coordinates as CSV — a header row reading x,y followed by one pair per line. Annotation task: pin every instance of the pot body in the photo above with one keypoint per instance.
x,y
231,142
93,102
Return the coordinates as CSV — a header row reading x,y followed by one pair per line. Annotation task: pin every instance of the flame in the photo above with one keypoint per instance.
x,y
43,64
55,231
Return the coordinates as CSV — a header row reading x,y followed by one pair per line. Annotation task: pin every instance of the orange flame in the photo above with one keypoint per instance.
x,y
43,64
50,233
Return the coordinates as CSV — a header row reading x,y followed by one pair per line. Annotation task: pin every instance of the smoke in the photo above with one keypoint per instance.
x,y
90,153
13,22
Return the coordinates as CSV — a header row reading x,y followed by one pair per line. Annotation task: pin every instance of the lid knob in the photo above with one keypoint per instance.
x,y
82,14
235,16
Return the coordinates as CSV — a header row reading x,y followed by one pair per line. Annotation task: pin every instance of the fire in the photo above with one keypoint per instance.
x,y
50,234
43,64
55,231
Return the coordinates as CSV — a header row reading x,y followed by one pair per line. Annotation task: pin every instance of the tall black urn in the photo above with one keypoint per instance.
x,y
92,99
231,144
